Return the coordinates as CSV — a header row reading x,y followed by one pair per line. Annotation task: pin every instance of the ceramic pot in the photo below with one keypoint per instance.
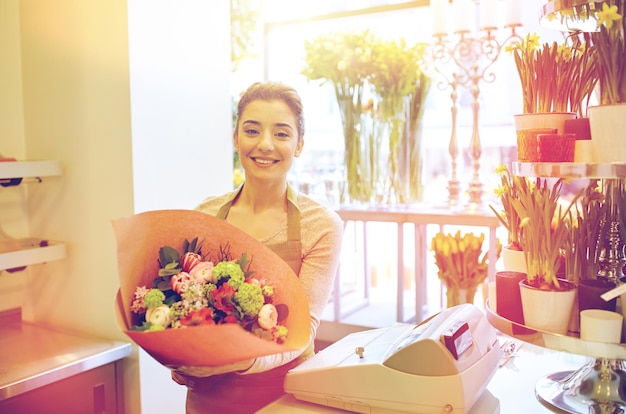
x,y
607,124
543,120
556,147
514,260
528,143
589,292
508,299
548,310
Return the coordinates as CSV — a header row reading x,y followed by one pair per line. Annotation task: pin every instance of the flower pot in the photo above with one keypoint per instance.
x,y
528,143
508,299
589,292
556,147
607,124
514,260
548,310
553,120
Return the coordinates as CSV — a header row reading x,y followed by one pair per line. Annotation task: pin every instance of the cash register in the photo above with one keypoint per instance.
x,y
441,365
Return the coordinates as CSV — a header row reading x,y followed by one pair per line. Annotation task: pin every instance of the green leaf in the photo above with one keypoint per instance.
x,y
168,254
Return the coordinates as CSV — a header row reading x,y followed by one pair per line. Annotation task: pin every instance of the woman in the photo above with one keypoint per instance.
x,y
305,234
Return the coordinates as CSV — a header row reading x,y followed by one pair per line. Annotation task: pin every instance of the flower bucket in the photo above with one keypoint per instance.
x,y
548,310
607,124
543,120
514,260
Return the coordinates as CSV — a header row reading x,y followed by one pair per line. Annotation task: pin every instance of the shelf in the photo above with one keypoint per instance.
x,y
556,342
31,255
19,169
569,170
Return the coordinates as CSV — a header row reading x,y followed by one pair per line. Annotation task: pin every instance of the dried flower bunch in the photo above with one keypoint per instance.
x,y
556,77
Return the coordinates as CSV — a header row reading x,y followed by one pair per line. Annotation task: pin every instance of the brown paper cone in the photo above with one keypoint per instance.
x,y
139,239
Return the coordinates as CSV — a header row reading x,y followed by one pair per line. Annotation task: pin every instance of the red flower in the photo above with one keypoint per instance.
x,y
200,317
222,298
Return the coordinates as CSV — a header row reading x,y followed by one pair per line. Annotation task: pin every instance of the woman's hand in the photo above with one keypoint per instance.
x,y
206,371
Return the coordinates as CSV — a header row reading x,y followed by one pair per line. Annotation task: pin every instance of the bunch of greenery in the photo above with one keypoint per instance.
x,y
556,77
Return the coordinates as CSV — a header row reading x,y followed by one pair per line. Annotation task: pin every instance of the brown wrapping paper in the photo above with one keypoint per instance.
x,y
139,239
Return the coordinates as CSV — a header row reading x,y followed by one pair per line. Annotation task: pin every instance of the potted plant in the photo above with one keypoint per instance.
x,y
608,120
507,191
462,264
557,81
547,300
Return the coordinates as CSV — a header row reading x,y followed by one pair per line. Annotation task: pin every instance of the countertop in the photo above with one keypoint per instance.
x,y
34,355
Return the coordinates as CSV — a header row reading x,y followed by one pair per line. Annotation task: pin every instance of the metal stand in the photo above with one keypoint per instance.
x,y
596,388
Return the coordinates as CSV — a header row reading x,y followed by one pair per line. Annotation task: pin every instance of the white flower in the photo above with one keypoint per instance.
x,y
159,315
268,316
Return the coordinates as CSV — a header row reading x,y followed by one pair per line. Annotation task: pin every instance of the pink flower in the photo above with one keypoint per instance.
x,y
202,272
189,261
180,282
268,316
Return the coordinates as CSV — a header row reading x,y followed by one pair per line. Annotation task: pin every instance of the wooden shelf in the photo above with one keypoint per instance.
x,y
19,169
32,255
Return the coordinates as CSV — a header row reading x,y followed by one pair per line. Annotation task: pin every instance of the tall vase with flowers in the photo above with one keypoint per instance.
x,y
547,300
400,81
343,60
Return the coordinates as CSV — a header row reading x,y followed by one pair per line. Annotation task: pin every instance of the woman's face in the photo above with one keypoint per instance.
x,y
267,139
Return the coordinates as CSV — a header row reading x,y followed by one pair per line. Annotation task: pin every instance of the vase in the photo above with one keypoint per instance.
x,y
458,296
543,120
548,310
514,260
508,299
528,143
607,124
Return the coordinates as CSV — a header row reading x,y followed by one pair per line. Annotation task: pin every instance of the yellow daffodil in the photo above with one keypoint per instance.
x,y
608,15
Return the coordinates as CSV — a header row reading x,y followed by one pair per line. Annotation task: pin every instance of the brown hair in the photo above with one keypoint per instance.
x,y
267,91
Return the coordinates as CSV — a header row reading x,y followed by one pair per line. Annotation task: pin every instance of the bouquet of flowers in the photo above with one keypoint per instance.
x,y
190,290
462,264
200,306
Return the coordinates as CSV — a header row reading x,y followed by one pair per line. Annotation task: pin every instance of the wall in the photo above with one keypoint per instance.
x,y
129,133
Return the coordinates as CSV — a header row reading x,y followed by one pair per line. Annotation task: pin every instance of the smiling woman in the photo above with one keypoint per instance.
x,y
268,135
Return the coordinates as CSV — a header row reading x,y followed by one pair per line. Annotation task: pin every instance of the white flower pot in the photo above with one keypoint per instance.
x,y
607,124
514,260
543,120
548,310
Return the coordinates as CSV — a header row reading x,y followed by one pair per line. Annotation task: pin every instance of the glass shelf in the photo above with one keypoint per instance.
x,y
564,343
569,170
596,387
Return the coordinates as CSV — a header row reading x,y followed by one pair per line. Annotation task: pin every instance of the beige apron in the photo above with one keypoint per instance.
x,y
233,393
